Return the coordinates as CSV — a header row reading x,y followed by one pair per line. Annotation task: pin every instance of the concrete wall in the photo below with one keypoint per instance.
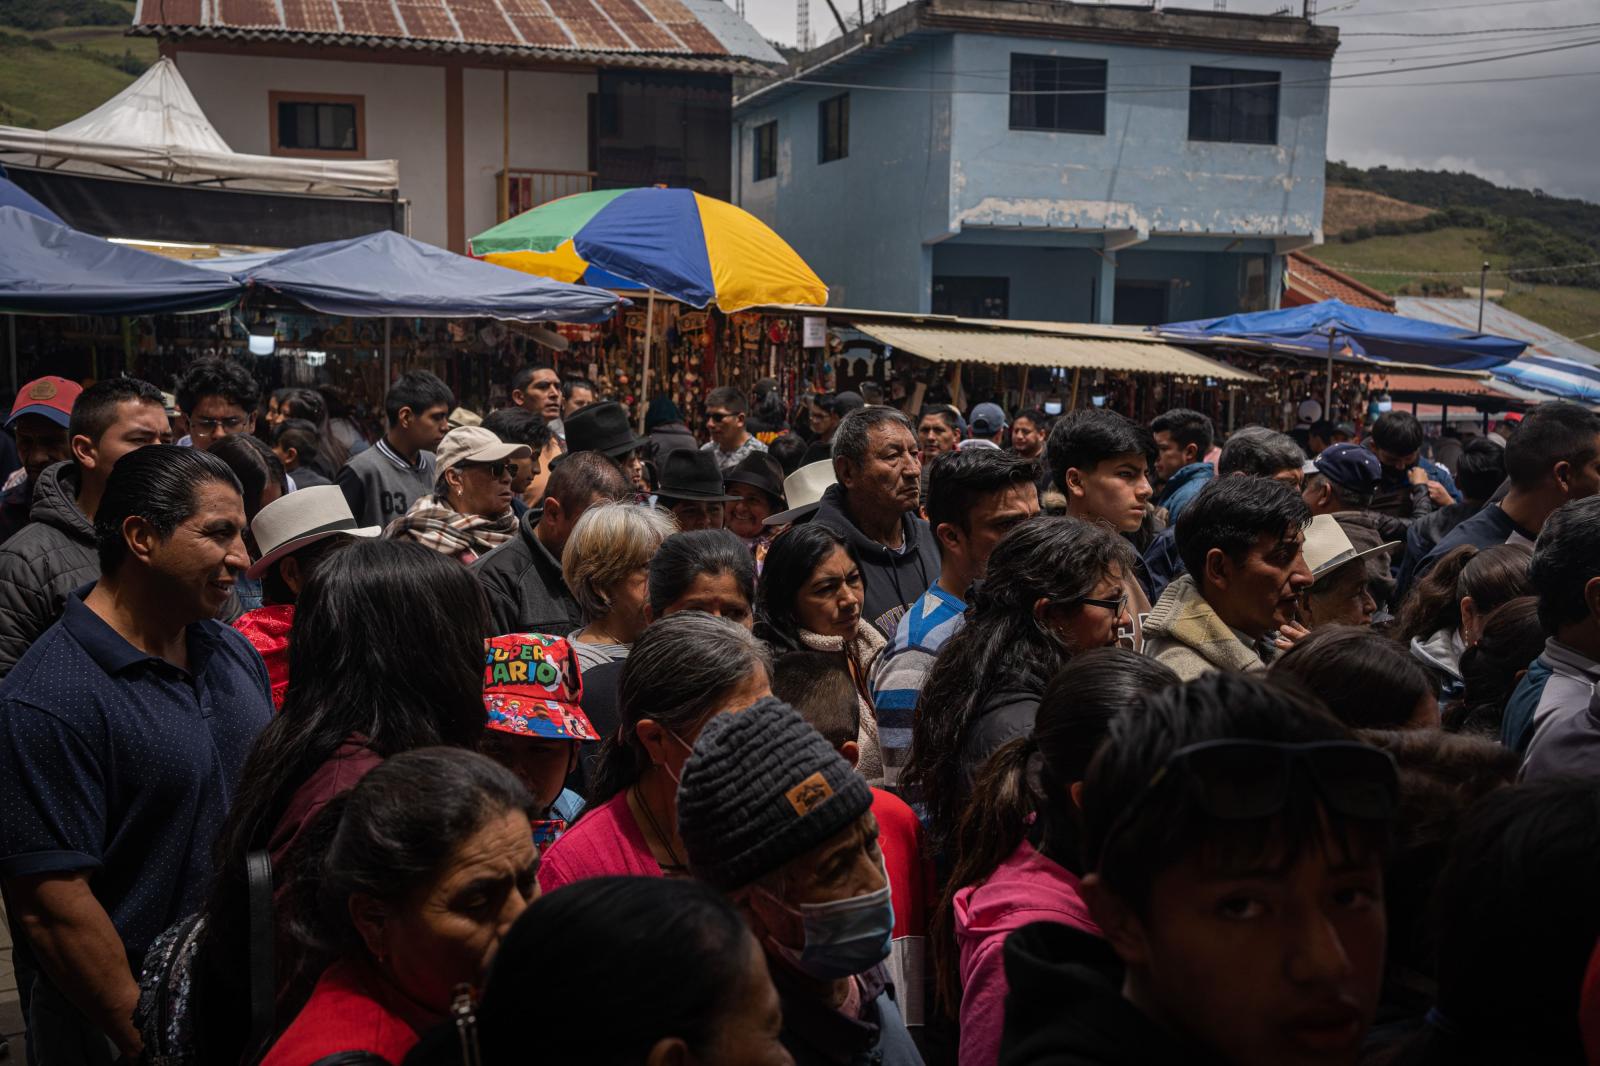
x,y
405,120
860,221
937,183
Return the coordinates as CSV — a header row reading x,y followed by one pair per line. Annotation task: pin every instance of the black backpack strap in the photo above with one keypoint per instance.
x,y
263,978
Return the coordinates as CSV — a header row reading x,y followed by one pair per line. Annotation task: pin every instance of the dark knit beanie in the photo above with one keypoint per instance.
x,y
761,788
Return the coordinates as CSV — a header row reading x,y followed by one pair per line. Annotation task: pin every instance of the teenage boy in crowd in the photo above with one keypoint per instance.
x,y
987,422
774,817
1554,458
521,578
1183,439
1480,471
730,441
1253,451
123,731
938,430
576,394
1100,461
537,388
1241,543
219,398
55,553
974,498
1412,486
38,423
514,425
1550,714
384,481
1237,879
874,507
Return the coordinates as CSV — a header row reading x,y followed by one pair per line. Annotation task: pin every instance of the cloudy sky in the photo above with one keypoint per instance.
x,y
1535,134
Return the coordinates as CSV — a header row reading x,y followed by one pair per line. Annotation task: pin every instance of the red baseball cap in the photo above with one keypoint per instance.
x,y
51,397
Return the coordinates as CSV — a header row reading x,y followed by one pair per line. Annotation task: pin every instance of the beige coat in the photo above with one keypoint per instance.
x,y
1184,633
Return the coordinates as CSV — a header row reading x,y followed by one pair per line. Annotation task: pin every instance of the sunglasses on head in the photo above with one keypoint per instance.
x,y
1248,780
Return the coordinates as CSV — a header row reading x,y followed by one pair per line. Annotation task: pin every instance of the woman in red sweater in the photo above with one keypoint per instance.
x,y
432,861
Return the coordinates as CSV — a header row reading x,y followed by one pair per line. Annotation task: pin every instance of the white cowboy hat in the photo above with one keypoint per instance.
x,y
803,491
302,517
1327,547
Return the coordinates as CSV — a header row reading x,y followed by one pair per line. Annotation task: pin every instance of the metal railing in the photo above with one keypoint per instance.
x,y
520,189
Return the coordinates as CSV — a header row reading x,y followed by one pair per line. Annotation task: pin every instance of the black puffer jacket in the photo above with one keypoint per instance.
x,y
48,558
894,580
522,583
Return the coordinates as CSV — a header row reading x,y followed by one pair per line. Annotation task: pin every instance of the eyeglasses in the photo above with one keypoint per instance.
x,y
1247,780
207,427
718,416
1119,605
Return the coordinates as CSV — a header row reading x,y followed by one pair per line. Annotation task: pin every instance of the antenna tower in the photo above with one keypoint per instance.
x,y
802,29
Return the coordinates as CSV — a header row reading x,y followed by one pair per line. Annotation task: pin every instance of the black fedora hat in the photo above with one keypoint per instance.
x,y
763,472
691,475
601,427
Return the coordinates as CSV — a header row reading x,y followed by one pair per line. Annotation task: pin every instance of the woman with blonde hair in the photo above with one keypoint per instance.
x,y
606,565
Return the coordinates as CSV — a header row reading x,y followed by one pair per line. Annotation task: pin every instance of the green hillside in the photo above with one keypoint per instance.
x,y
61,58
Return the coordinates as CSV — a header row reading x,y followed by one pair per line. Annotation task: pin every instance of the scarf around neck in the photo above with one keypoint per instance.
x,y
433,523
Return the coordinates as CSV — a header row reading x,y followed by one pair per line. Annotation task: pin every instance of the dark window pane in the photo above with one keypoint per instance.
x,y
1233,105
317,127
833,128
664,128
766,151
1081,83
971,297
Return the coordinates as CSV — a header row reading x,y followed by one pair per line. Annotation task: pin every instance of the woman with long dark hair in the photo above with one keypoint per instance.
x,y
1444,614
810,598
386,657
1006,872
1054,587
1510,640
686,668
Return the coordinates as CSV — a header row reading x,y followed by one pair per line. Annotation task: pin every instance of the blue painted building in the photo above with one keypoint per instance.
x,y
1050,161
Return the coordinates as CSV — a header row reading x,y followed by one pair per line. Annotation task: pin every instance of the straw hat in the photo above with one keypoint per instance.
x,y
803,490
1327,547
303,517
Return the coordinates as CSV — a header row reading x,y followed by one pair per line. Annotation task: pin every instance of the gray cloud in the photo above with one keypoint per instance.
x,y
1534,134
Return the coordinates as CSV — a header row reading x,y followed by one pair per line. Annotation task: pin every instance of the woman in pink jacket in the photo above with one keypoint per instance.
x,y
1016,855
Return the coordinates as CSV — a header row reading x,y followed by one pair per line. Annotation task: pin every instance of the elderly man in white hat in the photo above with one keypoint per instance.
x,y
293,534
469,512
1340,592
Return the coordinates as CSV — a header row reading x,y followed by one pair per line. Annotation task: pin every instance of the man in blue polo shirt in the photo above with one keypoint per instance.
x,y
123,731
974,498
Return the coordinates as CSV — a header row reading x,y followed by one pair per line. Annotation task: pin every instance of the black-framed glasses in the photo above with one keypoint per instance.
x,y
718,416
1119,605
1247,780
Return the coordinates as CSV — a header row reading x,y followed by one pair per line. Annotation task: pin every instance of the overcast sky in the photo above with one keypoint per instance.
x,y
1534,134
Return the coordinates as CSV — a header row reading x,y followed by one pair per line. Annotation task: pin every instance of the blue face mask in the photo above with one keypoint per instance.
x,y
842,938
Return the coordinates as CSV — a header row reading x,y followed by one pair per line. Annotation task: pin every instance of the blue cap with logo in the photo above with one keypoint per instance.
x,y
1349,466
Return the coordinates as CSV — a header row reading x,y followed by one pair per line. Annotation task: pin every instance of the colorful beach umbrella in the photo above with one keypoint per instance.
x,y
694,248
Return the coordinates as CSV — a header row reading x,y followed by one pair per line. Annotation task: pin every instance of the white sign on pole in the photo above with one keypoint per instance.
x,y
814,332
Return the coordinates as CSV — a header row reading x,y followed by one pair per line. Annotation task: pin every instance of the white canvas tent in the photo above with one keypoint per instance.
x,y
154,129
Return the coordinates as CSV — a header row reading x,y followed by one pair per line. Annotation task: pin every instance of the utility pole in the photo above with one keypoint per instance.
x,y
802,29
1309,10
1483,292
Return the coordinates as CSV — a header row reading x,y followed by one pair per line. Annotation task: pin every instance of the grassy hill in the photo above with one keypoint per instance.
x,y
61,58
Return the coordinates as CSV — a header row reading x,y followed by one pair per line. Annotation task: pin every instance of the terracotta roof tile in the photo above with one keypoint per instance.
x,y
1312,281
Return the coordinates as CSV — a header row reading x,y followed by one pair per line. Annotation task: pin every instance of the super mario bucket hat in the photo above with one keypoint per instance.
x,y
532,687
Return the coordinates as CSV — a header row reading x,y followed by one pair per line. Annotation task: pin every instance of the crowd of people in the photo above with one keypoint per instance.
x,y
838,734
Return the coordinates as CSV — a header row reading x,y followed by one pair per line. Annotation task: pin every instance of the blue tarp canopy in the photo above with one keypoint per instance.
x,y
1375,336
14,195
387,274
1550,374
51,269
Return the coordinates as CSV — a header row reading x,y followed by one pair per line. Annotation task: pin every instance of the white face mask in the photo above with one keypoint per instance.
x,y
1052,407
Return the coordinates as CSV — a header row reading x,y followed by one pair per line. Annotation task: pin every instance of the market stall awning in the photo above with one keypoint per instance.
x,y
1468,393
1556,377
389,275
1323,329
48,269
14,195
1017,347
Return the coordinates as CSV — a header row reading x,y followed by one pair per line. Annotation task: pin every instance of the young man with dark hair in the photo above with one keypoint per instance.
x,y
1100,460
974,498
987,421
1183,439
1412,486
1240,541
517,425
1553,714
537,388
383,482
219,397
938,430
827,411
874,504
1553,459
1029,429
730,442
819,687
55,553
1480,471
1253,451
1235,835
123,734
39,425
576,394
521,578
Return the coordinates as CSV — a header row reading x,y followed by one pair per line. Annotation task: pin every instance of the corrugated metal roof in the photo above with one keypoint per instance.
x,y
670,31
1013,347
1499,321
